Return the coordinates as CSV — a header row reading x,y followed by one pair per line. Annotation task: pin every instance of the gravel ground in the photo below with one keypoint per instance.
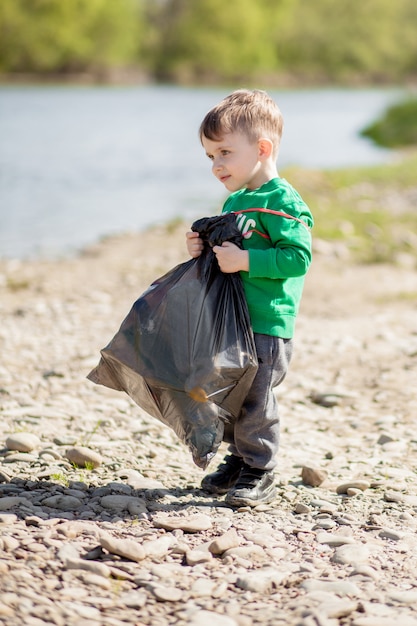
x,y
101,517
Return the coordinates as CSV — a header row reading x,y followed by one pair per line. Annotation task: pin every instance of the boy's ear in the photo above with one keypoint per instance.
x,y
265,148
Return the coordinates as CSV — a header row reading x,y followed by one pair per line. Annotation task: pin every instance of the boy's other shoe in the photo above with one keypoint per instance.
x,y
225,475
254,486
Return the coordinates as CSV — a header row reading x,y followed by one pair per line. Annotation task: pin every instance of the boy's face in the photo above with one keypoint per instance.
x,y
236,162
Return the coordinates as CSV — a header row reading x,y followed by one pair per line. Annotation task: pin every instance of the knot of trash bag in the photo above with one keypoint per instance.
x,y
216,230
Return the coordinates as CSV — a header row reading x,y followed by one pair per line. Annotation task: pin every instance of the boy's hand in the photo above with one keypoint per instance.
x,y
231,258
194,244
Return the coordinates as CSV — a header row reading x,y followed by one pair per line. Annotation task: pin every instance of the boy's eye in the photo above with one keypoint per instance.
x,y
225,152
211,157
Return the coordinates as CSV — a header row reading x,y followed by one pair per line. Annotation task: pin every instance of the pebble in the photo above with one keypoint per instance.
x,y
191,524
333,539
351,554
404,620
116,502
134,599
126,548
228,540
302,509
157,548
23,442
313,476
204,618
83,457
99,569
405,597
9,502
194,557
62,502
261,580
359,485
338,587
167,594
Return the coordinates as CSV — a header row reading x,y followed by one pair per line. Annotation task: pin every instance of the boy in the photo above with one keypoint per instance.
x,y
241,137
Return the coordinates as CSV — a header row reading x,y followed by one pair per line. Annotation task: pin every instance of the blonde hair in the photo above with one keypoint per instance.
x,y
253,113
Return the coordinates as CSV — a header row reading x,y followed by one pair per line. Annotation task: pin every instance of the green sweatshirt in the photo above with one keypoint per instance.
x,y
275,223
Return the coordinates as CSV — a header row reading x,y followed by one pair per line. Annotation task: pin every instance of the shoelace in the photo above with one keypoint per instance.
x,y
250,476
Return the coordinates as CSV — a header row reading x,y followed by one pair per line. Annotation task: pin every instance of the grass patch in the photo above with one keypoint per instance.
x,y
371,210
17,284
397,127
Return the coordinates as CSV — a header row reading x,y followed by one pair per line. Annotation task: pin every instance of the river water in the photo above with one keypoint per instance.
x,y
80,163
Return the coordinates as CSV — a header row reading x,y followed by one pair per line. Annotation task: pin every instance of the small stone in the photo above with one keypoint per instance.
x,y
137,481
6,611
301,508
10,544
354,484
260,580
351,554
383,439
391,534
62,502
245,552
158,547
325,506
167,594
83,457
20,457
325,523
191,524
8,518
203,588
34,520
203,618
194,557
4,476
334,607
68,552
133,599
89,578
228,540
393,496
405,597
22,442
333,539
8,502
378,620
126,548
118,502
100,569
327,400
313,476
339,587
364,570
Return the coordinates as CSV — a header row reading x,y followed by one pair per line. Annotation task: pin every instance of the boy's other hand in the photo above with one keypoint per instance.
x,y
194,244
231,259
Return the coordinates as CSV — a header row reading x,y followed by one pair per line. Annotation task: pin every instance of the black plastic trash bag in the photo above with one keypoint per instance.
x,y
185,352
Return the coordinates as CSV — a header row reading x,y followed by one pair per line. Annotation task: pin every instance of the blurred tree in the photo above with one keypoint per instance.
x,y
68,35
349,39
209,40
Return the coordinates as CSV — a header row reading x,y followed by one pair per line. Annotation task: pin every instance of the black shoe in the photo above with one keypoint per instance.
x,y
254,486
225,476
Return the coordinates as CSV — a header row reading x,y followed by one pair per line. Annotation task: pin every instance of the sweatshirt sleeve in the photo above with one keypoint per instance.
x,y
290,252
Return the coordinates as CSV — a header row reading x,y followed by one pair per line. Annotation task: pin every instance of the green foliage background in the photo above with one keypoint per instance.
x,y
212,41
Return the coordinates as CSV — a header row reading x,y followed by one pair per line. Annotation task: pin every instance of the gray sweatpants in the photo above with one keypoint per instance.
x,y
255,435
